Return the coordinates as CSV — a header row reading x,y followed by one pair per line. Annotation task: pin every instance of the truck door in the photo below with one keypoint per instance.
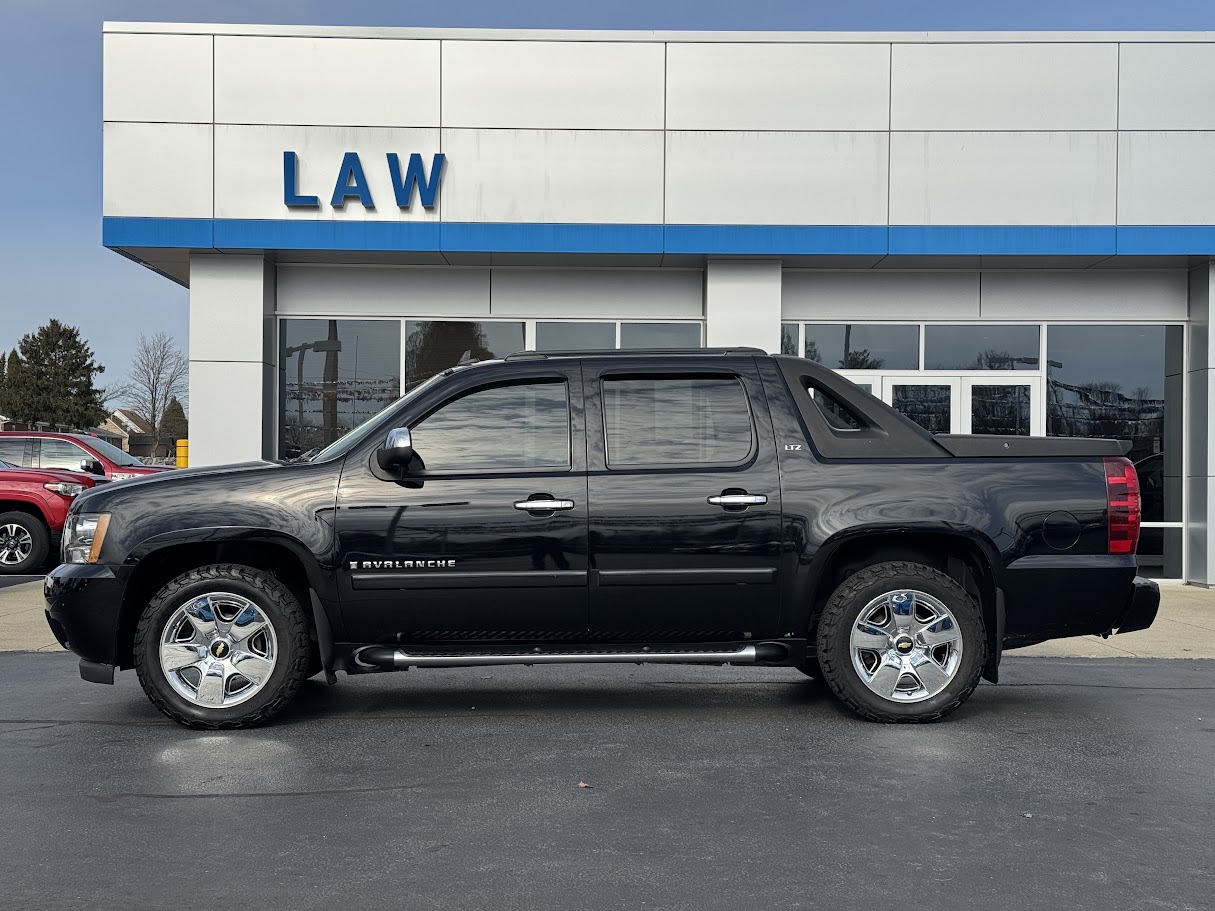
x,y
685,507
487,539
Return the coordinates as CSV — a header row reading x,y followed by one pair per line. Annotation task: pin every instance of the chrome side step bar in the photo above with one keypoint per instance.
x,y
373,656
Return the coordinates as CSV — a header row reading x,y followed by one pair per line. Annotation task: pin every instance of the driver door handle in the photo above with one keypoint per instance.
x,y
544,505
726,500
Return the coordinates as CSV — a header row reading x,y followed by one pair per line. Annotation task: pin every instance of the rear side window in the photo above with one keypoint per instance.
x,y
526,425
12,450
676,421
61,454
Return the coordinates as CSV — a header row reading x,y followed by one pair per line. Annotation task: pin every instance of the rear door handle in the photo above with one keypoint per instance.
x,y
738,499
544,505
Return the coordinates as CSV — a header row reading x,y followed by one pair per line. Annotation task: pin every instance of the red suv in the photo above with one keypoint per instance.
x,y
33,505
71,452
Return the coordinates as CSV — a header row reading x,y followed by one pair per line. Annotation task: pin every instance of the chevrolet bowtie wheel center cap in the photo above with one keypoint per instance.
x,y
220,649
903,644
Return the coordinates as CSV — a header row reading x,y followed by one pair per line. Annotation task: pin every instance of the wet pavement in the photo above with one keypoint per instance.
x,y
1073,784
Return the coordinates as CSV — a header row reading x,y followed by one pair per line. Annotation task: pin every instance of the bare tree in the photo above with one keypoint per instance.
x,y
159,372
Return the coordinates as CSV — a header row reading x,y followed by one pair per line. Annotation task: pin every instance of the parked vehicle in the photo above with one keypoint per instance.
x,y
693,507
72,452
33,507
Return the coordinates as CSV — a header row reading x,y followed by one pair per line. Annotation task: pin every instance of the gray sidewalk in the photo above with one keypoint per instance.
x,y
1184,628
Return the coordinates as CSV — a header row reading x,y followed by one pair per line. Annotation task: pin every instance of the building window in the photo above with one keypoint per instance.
x,y
1125,382
334,375
431,346
863,346
981,347
571,336
660,335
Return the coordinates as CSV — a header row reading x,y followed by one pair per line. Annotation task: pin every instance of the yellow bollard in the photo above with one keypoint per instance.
x,y
183,453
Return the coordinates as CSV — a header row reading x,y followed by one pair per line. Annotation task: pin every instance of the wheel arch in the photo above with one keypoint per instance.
x,y
969,559
160,560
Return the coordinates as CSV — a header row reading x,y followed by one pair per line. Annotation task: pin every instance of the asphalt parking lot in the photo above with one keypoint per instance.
x,y
1074,784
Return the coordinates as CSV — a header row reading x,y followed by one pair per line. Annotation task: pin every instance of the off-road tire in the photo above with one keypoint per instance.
x,y
40,539
273,598
842,611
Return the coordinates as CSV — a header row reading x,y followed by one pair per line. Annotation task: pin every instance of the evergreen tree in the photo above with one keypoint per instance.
x,y
50,378
175,426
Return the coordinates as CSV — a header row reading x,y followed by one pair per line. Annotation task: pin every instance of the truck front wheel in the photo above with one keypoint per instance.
x,y
223,646
24,543
901,642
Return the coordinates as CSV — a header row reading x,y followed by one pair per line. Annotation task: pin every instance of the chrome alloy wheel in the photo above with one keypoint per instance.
x,y
906,646
218,650
16,544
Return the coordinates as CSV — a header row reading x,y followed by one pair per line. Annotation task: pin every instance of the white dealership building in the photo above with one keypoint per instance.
x,y
995,232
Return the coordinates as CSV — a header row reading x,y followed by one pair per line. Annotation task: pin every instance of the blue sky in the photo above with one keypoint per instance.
x,y
52,263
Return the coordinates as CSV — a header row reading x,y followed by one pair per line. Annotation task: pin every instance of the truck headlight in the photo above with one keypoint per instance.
x,y
65,488
83,536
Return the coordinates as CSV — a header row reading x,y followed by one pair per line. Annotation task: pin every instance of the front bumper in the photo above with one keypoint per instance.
x,y
83,606
1141,606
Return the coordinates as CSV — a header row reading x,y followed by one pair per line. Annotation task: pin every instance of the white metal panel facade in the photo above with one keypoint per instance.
x,y
325,289
765,178
1166,86
249,171
144,168
1150,190
1020,178
553,85
827,295
972,87
157,78
601,293
326,81
778,86
587,176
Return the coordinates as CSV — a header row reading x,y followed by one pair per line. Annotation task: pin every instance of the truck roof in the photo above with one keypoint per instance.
x,y
634,352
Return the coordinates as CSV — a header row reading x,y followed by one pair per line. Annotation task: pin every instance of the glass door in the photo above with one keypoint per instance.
x,y
935,403
1006,406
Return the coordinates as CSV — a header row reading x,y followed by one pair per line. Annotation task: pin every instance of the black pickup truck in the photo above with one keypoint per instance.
x,y
694,507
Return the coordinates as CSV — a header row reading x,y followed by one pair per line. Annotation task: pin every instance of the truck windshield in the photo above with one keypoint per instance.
x,y
340,447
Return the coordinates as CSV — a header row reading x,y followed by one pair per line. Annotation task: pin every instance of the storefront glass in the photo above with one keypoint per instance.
x,y
334,374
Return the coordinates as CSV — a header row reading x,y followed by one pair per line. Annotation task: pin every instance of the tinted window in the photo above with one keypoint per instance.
x,y
61,454
835,412
660,335
676,421
864,346
981,348
432,346
1122,382
113,453
335,374
12,451
788,338
575,336
521,426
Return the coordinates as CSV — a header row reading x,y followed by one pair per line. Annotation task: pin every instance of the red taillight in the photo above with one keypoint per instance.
x,y
1122,499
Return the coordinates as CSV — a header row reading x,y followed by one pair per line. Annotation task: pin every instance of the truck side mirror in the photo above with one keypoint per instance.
x,y
397,451
92,466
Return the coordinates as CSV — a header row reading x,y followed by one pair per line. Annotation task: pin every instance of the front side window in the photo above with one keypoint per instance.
x,y
676,421
526,425
61,454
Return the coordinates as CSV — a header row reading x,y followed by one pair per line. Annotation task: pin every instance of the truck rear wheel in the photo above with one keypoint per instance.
x,y
901,642
24,543
222,646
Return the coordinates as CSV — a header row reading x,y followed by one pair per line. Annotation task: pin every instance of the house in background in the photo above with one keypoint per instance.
x,y
133,434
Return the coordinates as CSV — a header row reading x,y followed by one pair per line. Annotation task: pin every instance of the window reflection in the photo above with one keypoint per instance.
x,y
788,338
930,406
660,335
520,426
431,346
1000,409
676,421
981,348
863,346
563,336
334,375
